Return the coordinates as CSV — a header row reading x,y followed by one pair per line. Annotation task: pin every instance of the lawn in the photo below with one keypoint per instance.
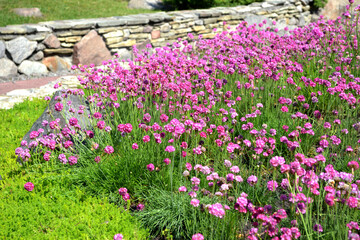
x,y
64,9
55,209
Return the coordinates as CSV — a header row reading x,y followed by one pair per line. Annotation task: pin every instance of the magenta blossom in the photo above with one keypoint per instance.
x,y
197,236
169,149
29,186
252,180
109,149
118,236
150,167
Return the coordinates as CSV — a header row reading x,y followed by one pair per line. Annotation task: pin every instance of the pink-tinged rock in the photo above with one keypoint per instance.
x,y
51,41
155,34
56,64
91,50
335,8
28,12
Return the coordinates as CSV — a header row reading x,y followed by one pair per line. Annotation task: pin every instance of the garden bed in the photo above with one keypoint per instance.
x,y
249,135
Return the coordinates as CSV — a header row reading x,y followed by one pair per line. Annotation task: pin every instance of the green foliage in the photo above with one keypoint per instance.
x,y
55,208
15,123
194,4
65,9
320,3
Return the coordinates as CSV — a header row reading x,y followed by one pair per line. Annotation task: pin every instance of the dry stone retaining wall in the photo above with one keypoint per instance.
x,y
36,49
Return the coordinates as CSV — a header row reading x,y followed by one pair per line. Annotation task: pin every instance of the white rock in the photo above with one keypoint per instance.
x,y
32,68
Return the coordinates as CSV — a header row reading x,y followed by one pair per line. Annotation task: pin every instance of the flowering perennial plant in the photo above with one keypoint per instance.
x,y
258,134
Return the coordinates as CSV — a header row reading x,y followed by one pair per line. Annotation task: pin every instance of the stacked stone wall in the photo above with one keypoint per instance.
x,y
36,49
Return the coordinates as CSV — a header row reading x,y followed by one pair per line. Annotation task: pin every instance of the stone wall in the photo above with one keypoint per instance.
x,y
36,49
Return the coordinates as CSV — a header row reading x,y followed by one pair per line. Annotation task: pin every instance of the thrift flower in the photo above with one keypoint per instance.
x,y
29,186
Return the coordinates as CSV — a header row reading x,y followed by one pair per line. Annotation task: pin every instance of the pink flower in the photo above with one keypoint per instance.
x,y
272,185
150,167
197,236
167,161
195,202
29,186
109,149
284,109
128,128
227,163
169,149
353,165
182,189
59,106
235,169
73,160
118,236
188,166
122,191
217,210
126,196
252,180
135,146
164,118
47,155
140,207
277,161
146,138
97,159
352,202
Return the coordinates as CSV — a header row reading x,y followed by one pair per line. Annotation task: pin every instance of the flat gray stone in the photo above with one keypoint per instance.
x,y
7,68
57,25
20,48
135,20
82,23
2,49
30,68
38,28
110,22
37,37
17,29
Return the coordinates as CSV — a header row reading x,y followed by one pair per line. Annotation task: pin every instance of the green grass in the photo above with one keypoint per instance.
x,y
64,9
55,209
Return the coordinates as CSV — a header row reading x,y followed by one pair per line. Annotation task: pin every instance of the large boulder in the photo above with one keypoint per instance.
x,y
50,114
30,68
56,63
20,48
146,4
91,50
334,8
28,12
7,68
